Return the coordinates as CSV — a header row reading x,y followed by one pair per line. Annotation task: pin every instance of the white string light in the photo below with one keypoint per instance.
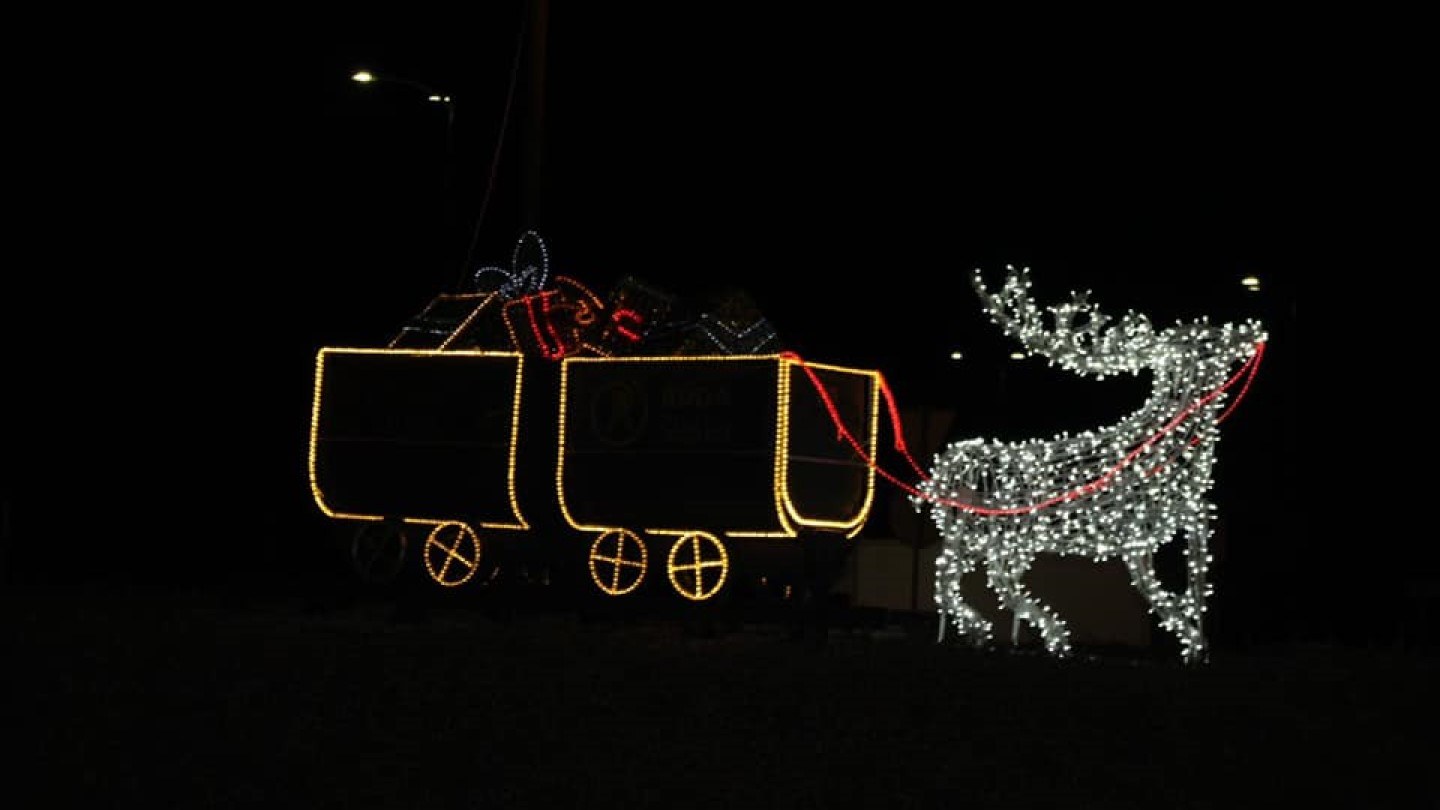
x,y
526,275
1126,489
756,338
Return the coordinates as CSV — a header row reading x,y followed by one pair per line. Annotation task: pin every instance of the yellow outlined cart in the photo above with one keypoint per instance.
x,y
686,459
404,438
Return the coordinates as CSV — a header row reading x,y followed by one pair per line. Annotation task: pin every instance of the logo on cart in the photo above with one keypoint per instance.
x,y
618,413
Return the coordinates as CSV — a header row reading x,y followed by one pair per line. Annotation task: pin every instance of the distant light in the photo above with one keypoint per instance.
x,y
1017,355
434,98
1251,283
956,356
363,76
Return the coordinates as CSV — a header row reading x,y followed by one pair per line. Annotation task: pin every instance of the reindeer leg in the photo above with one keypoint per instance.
x,y
1007,578
950,566
1142,575
1182,615
1192,605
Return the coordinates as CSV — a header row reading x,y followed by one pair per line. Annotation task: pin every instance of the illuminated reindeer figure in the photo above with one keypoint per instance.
x,y
1120,491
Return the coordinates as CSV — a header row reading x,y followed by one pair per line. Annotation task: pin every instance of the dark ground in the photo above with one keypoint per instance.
x,y
175,699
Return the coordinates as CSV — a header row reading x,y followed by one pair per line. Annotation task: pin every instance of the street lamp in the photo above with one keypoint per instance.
x,y
431,94
435,97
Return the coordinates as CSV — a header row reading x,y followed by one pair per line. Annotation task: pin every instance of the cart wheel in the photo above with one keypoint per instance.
x,y
698,565
378,550
617,561
452,554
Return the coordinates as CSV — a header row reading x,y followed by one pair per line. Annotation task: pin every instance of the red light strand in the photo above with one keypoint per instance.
x,y
627,314
550,326
1247,371
896,427
1254,365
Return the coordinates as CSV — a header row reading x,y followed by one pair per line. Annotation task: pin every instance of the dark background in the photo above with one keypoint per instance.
x,y
201,200
233,202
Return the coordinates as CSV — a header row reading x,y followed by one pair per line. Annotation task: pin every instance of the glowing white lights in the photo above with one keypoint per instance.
x,y
757,337
529,270
1120,491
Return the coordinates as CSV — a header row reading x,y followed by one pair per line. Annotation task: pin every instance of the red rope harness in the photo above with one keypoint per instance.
x,y
1246,372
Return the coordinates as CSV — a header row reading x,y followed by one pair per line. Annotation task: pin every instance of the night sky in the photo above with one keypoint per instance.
x,y
247,204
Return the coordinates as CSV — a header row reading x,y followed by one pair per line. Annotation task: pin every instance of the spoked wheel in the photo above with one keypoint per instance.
x,y
698,566
452,554
617,561
377,551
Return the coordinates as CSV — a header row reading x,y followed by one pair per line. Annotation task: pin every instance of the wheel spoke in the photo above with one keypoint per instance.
x,y
704,551
615,557
451,552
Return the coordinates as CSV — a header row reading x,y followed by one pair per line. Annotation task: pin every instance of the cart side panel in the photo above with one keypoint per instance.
x,y
416,434
828,485
675,443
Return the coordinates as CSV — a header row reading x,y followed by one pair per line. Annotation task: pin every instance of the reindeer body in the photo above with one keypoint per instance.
x,y
1121,491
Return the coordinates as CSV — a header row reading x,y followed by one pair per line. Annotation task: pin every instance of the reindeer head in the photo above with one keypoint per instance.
x,y
1075,334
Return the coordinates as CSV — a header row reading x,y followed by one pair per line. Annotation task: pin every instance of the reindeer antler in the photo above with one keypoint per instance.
x,y
1086,347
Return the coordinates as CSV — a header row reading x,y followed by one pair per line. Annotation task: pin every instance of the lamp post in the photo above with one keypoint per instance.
x,y
431,95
